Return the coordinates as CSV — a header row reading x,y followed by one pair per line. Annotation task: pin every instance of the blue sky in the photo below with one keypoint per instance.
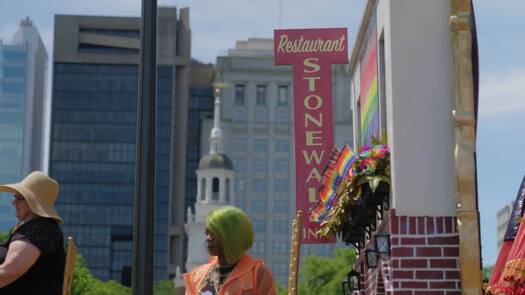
x,y
216,25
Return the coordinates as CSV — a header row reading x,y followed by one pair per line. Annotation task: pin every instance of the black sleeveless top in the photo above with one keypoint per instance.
x,y
47,274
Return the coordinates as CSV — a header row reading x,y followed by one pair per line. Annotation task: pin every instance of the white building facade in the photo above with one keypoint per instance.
x,y
415,89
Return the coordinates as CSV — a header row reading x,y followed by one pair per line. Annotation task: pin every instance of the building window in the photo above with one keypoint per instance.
x,y
261,96
259,226
282,166
280,247
282,145
227,190
239,185
203,189
260,166
239,95
239,115
282,99
259,206
281,185
260,145
239,144
280,227
282,116
261,115
280,206
215,189
239,166
239,201
260,185
257,248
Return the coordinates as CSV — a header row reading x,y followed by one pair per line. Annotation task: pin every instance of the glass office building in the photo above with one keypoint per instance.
x,y
13,67
93,158
22,77
93,138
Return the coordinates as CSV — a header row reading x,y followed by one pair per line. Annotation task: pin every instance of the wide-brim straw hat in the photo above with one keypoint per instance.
x,y
40,192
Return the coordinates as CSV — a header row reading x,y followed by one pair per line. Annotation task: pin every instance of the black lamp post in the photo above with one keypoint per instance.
x,y
351,282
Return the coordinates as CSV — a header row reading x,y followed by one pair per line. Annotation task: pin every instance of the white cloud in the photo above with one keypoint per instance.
x,y
502,93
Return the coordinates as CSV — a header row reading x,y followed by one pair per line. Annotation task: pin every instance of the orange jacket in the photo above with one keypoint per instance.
x,y
249,276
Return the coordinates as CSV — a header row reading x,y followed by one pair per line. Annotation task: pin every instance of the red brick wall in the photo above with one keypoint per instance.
x,y
424,255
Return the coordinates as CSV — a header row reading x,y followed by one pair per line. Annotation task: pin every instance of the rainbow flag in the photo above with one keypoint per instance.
x,y
368,97
318,213
345,160
326,194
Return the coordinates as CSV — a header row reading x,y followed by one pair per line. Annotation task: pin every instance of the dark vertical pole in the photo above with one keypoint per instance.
x,y
144,203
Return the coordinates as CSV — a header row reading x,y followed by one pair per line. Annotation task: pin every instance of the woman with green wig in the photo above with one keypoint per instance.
x,y
229,235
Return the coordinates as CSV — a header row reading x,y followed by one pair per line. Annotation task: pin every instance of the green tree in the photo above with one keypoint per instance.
x,y
164,287
84,283
487,272
281,290
323,275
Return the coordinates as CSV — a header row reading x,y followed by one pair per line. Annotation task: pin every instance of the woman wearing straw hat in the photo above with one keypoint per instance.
x,y
229,234
32,259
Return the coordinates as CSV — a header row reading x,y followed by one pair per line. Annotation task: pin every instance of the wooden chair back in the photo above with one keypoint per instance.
x,y
71,254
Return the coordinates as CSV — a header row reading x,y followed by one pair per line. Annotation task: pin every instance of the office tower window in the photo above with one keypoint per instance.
x,y
239,115
282,99
282,166
280,206
282,116
260,166
261,115
261,96
282,145
239,95
260,145
281,185
257,248
239,200
280,227
239,185
280,247
259,226
260,185
239,144
240,167
259,206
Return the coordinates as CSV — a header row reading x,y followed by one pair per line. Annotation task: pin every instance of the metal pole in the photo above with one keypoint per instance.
x,y
144,203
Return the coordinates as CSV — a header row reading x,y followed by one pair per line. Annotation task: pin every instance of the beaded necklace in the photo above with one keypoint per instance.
x,y
217,275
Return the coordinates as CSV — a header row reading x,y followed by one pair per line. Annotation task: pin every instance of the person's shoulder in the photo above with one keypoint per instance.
x,y
42,224
258,264
42,227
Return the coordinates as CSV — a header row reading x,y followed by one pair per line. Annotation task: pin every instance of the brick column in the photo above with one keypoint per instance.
x,y
424,255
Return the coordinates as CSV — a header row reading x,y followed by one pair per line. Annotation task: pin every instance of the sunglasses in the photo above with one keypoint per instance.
x,y
18,199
